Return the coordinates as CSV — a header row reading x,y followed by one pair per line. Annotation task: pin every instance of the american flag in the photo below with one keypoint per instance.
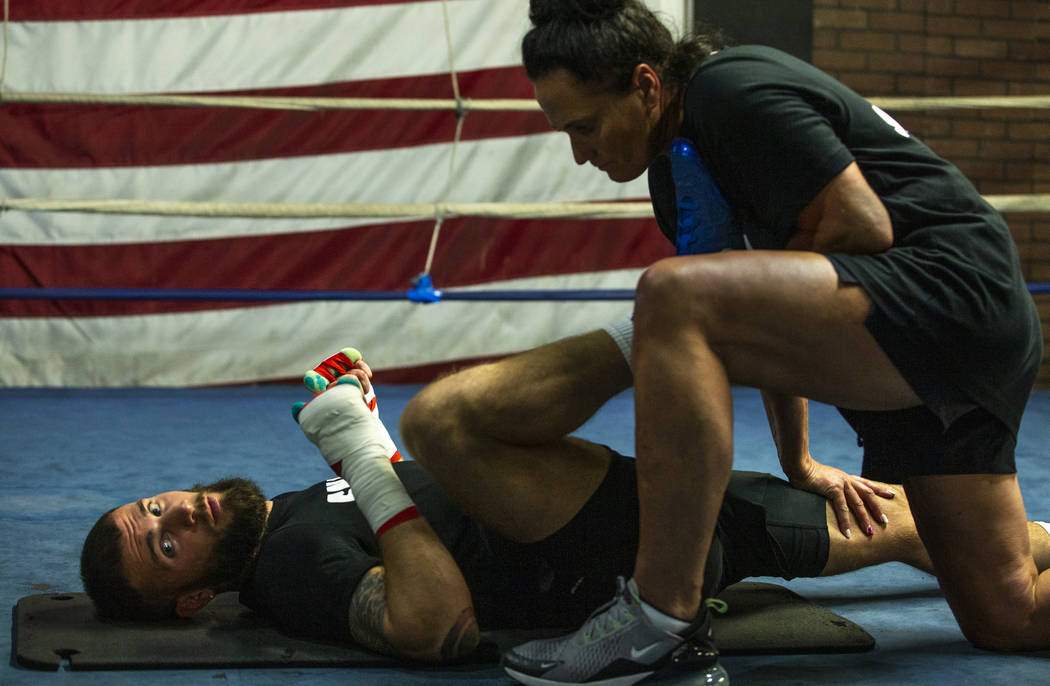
x,y
300,48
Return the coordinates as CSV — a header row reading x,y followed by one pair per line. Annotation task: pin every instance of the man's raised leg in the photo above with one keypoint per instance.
x,y
495,435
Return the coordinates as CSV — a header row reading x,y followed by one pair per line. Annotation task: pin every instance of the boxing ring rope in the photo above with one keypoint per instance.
x,y
898,104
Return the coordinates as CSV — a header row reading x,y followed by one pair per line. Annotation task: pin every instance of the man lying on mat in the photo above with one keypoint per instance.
x,y
384,557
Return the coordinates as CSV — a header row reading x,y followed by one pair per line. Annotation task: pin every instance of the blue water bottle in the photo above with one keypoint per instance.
x,y
704,216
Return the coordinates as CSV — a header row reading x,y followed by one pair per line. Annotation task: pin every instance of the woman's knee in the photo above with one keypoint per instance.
x,y
1007,620
677,290
1004,634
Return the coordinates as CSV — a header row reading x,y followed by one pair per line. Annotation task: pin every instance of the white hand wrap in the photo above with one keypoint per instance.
x,y
357,447
388,443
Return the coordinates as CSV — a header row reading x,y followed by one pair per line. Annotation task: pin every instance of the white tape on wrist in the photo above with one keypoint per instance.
x,y
357,447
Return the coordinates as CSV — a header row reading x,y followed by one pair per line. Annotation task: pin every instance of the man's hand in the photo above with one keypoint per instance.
x,y
849,495
346,362
346,367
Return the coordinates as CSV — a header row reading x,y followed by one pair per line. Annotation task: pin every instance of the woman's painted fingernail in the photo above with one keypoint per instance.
x,y
885,519
848,533
871,532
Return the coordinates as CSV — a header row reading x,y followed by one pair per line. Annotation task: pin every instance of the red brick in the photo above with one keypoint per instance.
x,y
980,169
978,128
1018,114
896,62
982,8
923,85
947,66
870,4
938,7
1019,171
1008,70
1030,50
825,39
824,18
868,84
1016,29
897,21
925,125
1026,9
1028,131
1004,188
973,87
1039,251
953,26
976,47
953,148
1007,150
840,59
1041,232
939,45
1032,88
867,40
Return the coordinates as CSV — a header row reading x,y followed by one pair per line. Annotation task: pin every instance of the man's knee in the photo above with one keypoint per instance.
x,y
421,423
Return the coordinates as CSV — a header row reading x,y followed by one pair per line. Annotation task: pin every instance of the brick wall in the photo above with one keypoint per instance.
x,y
959,48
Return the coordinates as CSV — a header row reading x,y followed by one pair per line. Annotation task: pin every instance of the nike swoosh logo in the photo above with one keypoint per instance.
x,y
639,652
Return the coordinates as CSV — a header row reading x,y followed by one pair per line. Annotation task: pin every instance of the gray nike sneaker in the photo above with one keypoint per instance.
x,y
616,646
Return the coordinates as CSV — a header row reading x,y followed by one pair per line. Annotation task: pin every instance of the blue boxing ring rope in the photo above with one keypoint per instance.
x,y
420,295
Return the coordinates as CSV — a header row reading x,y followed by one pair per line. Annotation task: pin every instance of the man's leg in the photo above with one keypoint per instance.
x,y
494,435
899,541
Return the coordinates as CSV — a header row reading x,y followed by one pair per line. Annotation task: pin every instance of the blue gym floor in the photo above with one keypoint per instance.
x,y
67,455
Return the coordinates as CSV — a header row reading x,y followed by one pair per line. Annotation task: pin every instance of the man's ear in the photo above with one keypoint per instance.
x,y
190,602
648,83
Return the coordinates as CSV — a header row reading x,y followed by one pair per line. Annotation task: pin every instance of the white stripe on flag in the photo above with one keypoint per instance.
x,y
262,50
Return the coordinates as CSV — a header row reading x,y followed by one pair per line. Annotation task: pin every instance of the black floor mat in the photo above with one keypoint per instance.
x,y
50,628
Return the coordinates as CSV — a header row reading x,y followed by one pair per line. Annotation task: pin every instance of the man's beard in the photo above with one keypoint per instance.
x,y
235,548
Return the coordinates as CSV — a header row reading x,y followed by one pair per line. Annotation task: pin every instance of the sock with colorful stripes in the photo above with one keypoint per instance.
x,y
341,425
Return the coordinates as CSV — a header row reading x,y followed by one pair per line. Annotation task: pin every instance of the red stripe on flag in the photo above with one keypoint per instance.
x,y
41,136
101,10
471,250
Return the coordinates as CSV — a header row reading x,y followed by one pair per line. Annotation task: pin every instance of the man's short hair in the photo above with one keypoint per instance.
x,y
102,571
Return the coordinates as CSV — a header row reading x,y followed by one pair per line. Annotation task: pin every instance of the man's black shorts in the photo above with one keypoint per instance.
x,y
765,528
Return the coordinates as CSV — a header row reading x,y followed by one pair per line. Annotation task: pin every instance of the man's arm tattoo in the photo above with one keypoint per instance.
x,y
367,610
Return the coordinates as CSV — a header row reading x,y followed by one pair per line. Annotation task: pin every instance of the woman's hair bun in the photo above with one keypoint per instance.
x,y
583,11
